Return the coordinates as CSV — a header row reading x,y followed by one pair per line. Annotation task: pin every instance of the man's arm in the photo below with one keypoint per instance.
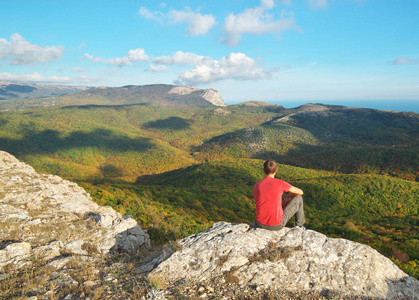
x,y
296,191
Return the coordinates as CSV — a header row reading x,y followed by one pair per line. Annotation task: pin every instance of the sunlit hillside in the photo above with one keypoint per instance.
x,y
178,170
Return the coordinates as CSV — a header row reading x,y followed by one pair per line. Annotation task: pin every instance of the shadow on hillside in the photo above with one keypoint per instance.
x,y
3,122
174,123
200,175
111,171
394,161
93,106
50,141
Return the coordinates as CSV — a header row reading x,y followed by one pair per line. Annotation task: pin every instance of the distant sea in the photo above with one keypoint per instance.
x,y
397,105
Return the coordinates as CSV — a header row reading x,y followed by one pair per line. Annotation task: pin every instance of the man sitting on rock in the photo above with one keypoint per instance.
x,y
271,212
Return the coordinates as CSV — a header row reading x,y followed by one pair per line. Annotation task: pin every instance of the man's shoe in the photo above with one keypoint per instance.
x,y
301,227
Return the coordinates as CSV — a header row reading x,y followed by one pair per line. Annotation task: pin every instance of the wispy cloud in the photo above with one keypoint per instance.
x,y
78,69
38,78
35,77
18,51
92,58
149,15
256,21
317,4
183,58
153,68
87,55
198,24
404,60
132,56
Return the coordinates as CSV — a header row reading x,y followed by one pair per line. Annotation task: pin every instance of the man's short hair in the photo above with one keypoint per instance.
x,y
270,166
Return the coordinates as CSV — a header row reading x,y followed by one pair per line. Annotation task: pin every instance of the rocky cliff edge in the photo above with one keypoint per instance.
x,y
292,259
210,95
50,218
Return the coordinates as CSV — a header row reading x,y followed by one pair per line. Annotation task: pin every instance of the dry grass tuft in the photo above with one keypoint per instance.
x,y
273,253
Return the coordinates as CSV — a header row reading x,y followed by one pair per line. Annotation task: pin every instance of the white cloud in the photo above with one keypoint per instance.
x,y
61,69
96,59
87,55
235,66
198,24
317,4
149,15
38,78
153,68
183,58
91,57
256,21
35,77
22,52
132,56
78,69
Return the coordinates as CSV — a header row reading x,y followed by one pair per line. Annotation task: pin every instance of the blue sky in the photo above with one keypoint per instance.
x,y
306,50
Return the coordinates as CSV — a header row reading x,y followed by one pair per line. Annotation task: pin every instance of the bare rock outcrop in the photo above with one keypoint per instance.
x,y
213,97
49,218
291,259
183,90
209,95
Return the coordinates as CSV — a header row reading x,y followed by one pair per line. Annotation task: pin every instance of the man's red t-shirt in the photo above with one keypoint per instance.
x,y
268,198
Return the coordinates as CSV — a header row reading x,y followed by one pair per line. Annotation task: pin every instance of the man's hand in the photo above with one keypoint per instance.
x,y
287,199
292,192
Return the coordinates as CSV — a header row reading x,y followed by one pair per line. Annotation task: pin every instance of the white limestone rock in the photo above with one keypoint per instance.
x,y
213,97
209,95
182,90
291,259
75,247
16,254
57,217
49,251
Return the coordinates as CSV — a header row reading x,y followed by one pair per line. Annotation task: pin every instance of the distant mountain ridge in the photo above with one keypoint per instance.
x,y
23,96
15,90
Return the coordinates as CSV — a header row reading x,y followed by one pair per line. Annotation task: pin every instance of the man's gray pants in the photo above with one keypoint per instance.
x,y
294,207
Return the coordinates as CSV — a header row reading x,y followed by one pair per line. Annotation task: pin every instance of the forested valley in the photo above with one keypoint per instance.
x,y
179,169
